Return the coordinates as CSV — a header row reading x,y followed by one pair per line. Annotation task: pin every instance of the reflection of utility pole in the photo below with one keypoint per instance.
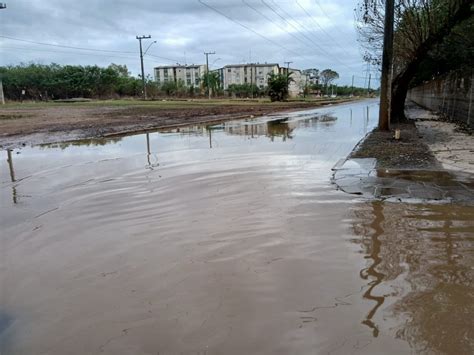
x,y
371,271
12,173
386,82
148,148
207,72
141,62
209,130
352,86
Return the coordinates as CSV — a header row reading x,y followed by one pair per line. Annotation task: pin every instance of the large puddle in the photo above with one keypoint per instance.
x,y
225,239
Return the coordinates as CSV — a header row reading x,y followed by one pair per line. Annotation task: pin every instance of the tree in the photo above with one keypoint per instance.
x,y
278,86
214,81
420,26
327,76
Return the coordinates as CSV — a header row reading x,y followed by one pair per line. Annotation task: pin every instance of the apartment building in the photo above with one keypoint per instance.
x,y
313,76
298,84
189,75
252,73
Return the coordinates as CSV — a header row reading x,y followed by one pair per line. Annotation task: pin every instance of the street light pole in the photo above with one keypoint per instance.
x,y
141,62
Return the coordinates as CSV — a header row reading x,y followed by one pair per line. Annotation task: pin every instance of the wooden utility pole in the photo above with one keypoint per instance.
x,y
387,58
207,72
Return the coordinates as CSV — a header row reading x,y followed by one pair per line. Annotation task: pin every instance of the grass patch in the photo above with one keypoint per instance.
x,y
167,103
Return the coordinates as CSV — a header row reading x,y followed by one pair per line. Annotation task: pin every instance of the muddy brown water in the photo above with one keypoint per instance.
x,y
226,239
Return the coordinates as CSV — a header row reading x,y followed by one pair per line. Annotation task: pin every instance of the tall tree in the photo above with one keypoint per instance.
x,y
327,76
420,25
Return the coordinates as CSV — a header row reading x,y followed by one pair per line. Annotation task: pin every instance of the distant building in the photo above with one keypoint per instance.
x,y
298,82
189,75
313,76
252,73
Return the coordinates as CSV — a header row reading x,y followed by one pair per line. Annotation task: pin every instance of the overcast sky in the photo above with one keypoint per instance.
x,y
310,33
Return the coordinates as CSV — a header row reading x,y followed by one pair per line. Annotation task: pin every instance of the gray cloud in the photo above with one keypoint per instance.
x,y
184,29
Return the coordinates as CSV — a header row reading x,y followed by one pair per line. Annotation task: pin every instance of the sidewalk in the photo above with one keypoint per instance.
x,y
452,147
433,161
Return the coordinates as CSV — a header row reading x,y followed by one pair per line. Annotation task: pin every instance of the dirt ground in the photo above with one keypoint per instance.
x,y
409,152
46,123
427,142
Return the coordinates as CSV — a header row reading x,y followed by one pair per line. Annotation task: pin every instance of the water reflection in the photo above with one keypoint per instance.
x,y
83,142
150,165
372,247
12,175
420,260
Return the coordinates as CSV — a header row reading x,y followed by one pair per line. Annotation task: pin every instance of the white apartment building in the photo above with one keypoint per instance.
x,y
298,84
190,75
247,73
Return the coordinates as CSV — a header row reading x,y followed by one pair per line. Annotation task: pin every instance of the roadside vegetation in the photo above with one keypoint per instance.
x,y
53,82
431,37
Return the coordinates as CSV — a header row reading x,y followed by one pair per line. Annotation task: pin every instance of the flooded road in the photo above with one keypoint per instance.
x,y
226,239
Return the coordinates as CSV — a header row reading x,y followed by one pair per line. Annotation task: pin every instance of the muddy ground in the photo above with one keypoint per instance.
x,y
40,123
409,152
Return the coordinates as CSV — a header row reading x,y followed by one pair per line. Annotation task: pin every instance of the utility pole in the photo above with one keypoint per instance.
x,y
251,78
288,76
2,98
207,72
386,82
141,61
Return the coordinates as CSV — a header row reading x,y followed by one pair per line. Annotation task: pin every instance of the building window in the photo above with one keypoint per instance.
x,y
229,70
157,73
196,82
188,81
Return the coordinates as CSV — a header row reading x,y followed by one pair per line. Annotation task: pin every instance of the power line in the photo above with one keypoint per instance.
x,y
65,52
75,53
248,28
289,23
274,22
164,58
327,16
64,46
322,29
299,31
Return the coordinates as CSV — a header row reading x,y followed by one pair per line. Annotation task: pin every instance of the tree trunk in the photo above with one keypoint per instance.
x,y
401,82
400,87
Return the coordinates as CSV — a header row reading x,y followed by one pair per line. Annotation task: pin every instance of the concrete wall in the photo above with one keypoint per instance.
x,y
451,95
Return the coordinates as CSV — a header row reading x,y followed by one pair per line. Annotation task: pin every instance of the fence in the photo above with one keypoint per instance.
x,y
450,95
